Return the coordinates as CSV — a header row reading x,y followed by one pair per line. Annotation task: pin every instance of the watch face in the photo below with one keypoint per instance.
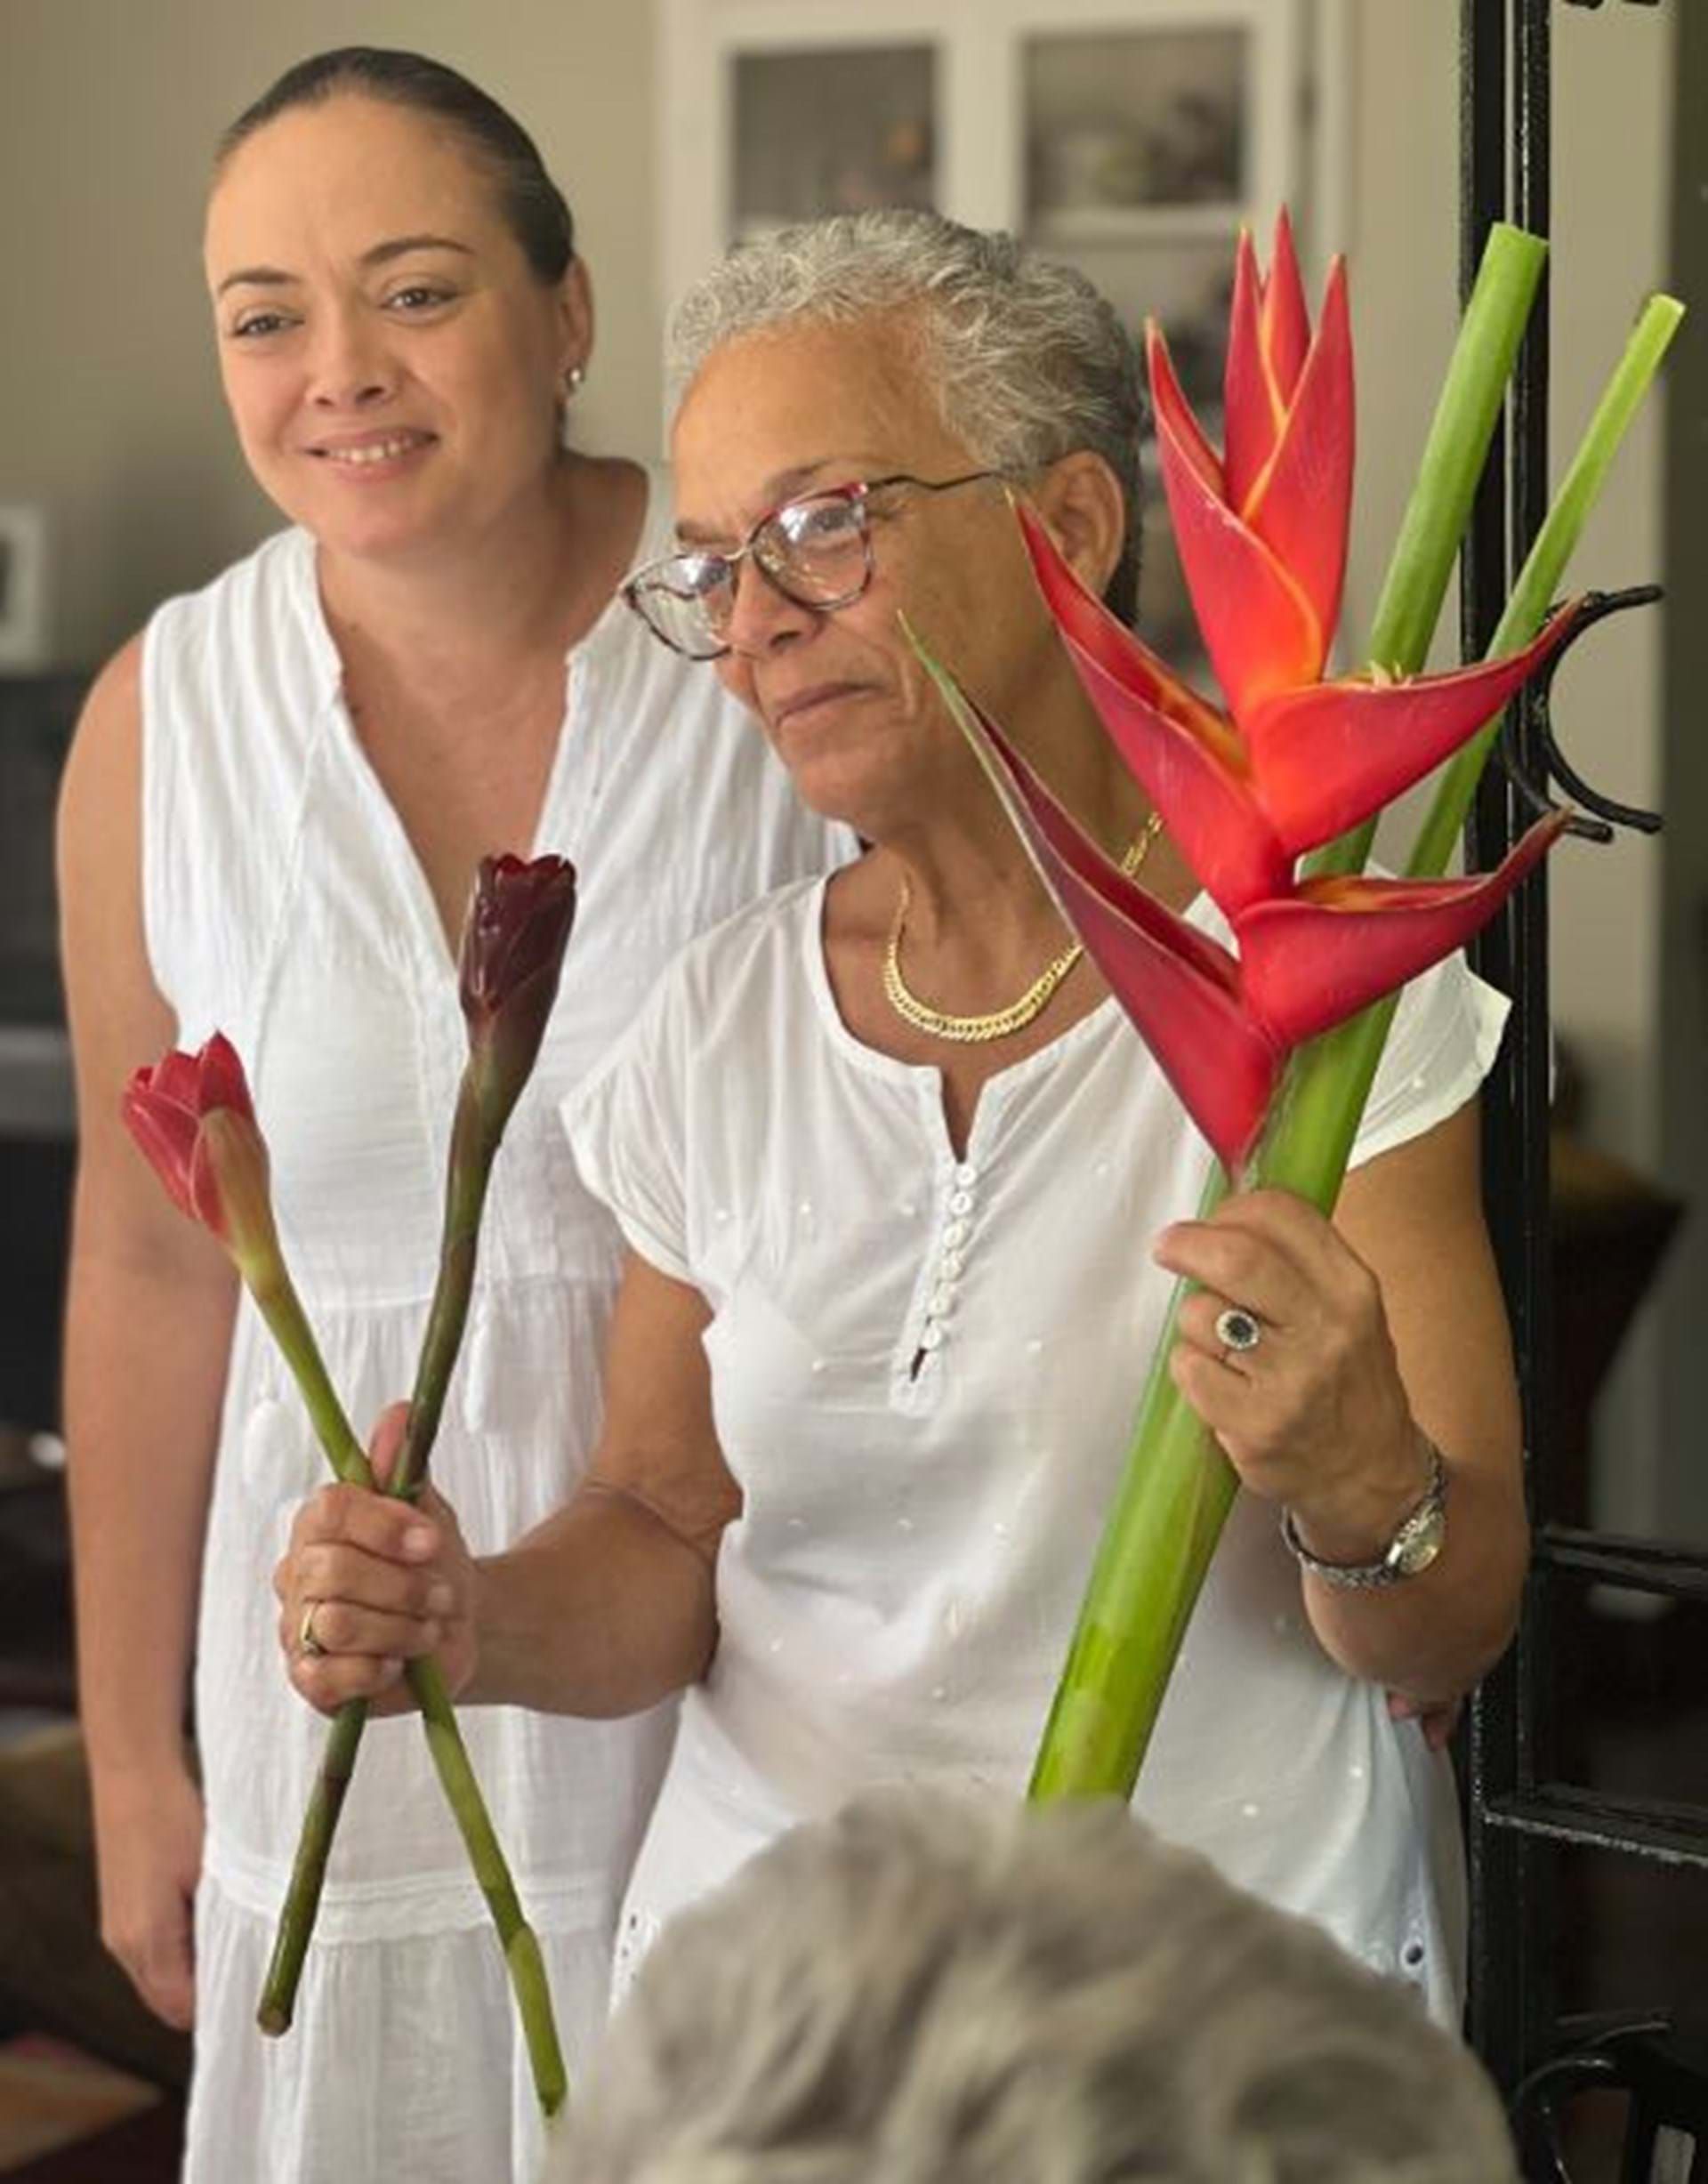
x,y
1423,1543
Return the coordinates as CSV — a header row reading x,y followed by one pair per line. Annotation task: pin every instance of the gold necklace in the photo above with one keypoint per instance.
x,y
974,1030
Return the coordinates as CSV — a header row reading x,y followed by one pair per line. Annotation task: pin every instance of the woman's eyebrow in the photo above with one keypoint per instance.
x,y
400,246
256,277
380,254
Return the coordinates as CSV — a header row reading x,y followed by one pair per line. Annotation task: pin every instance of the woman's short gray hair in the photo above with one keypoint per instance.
x,y
1026,360
932,1989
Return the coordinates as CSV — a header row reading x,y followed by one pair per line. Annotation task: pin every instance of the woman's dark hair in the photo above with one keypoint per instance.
x,y
532,204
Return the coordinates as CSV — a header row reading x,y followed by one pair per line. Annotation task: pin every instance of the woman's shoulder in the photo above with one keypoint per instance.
x,y
711,1013
747,957
278,568
97,786
717,1003
260,613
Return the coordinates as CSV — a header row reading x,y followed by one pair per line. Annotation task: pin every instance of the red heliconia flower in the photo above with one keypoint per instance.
x,y
1221,1025
192,1115
1293,763
1262,531
511,957
1245,799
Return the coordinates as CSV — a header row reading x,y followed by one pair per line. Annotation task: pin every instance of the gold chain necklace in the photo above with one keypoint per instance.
x,y
974,1030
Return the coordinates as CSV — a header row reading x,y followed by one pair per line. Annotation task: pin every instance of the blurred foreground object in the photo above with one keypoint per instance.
x,y
935,1988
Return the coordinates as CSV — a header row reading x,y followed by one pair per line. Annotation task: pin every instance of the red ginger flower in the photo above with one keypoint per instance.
x,y
517,929
192,1115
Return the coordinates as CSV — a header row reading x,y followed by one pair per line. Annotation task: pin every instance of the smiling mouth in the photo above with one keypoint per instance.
x,y
373,451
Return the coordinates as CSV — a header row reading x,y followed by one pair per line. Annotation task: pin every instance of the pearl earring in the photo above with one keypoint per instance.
x,y
573,378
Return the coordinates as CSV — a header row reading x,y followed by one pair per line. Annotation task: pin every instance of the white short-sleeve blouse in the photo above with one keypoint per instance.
x,y
923,1374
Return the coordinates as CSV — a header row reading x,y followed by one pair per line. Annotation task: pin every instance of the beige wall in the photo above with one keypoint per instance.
x,y
1614,107
110,415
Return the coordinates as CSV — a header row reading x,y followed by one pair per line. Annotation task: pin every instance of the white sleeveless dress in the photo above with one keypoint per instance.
x,y
284,905
924,1370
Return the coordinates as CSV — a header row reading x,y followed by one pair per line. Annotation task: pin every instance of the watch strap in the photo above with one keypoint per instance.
x,y
1414,1545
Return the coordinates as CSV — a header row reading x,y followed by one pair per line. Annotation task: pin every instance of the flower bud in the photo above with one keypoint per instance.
x,y
192,1115
513,940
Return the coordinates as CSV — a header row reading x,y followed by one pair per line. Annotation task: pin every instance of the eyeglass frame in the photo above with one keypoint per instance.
x,y
858,492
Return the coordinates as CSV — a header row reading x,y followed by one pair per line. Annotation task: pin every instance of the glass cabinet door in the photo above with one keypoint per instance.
x,y
1138,142
1132,135
1120,125
830,129
1132,138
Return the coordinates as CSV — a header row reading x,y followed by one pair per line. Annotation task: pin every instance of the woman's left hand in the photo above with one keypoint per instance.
x,y
1314,1413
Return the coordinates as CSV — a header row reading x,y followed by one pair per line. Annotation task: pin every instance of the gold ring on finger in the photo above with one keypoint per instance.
x,y
307,1644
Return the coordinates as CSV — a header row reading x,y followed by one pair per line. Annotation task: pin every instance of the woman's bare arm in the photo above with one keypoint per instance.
x,y
148,1333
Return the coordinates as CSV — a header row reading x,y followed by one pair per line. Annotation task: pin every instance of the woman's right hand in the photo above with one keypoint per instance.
x,y
149,1859
376,1583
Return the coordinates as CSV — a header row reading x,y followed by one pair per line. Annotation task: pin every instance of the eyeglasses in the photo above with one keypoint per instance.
x,y
816,551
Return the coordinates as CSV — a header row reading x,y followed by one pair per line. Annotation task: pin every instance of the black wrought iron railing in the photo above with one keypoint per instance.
x,y
1519,1808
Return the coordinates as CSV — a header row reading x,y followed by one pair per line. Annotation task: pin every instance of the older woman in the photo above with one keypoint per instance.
x,y
938,1988
273,818
903,1191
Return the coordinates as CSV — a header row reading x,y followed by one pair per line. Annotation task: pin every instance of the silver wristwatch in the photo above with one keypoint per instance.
x,y
1414,1545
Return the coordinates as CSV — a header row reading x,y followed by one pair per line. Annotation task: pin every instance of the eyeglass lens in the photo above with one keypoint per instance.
x,y
813,549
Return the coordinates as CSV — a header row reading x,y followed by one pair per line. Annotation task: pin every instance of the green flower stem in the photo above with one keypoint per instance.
x,y
275,1299
1472,396
1545,564
470,1168
1140,1593
522,1957
1176,1487
275,1296
301,1904
474,1142
1471,399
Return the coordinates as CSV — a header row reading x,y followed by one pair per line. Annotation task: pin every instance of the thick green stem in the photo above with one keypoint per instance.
x,y
1545,564
1465,417
1176,1487
1471,398
1107,1701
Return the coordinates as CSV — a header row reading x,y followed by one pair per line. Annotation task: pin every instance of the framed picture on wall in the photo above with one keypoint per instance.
x,y
23,588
